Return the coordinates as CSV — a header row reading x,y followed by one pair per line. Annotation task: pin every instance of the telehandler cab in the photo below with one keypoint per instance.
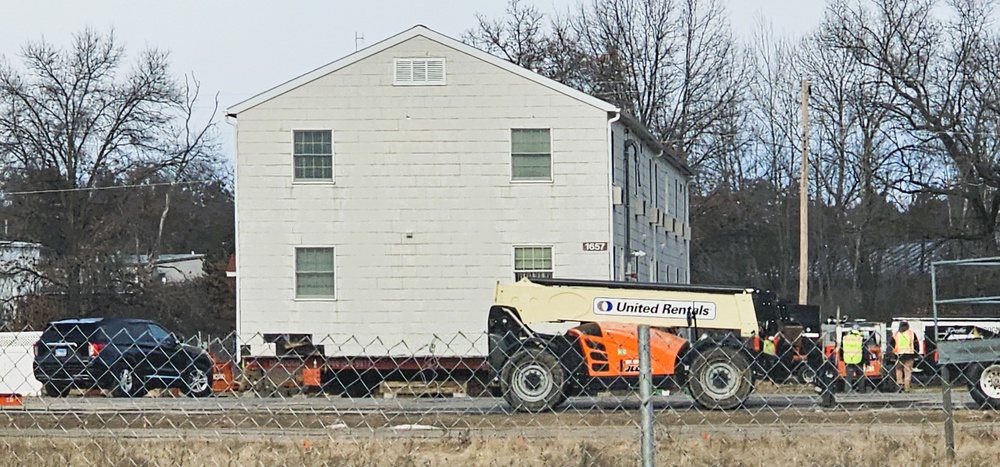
x,y
701,338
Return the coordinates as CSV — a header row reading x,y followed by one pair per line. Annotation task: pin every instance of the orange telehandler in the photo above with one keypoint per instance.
x,y
701,338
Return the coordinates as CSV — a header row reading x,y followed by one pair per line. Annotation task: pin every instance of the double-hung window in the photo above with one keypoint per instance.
x,y
653,182
314,272
532,261
680,200
530,155
313,154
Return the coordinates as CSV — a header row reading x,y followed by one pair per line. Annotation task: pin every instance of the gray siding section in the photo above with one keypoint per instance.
x,y
658,221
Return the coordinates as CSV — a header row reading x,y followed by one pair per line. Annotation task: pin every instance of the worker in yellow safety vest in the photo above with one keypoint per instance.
x,y
852,352
905,349
770,348
767,360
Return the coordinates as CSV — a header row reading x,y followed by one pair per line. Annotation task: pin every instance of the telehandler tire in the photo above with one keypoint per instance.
x,y
804,374
985,387
720,378
532,381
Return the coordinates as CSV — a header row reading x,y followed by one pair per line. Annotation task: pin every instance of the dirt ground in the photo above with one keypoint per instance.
x,y
27,424
974,448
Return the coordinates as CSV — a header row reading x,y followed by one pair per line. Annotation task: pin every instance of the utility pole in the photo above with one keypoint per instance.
x,y
804,201
359,40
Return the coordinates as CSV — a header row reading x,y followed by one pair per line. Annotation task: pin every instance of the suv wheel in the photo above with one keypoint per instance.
x,y
198,383
56,390
128,383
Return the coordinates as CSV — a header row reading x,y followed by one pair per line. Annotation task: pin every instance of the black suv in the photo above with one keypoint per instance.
x,y
128,356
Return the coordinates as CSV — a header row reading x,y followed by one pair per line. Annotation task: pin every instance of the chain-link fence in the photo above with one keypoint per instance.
x,y
128,392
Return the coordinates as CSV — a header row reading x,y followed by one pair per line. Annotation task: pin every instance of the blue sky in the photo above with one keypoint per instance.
x,y
238,48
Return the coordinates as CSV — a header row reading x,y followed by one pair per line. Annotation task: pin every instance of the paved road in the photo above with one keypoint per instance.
x,y
248,417
925,400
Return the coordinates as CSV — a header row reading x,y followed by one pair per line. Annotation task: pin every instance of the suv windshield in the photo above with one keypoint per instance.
x,y
158,333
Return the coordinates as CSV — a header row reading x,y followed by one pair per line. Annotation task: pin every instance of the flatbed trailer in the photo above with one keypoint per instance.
x,y
355,376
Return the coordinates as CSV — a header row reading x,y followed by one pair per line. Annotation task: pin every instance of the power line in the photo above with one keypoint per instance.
x,y
99,188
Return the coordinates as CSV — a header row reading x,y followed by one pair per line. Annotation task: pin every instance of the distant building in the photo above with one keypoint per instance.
x,y
231,273
173,268
19,277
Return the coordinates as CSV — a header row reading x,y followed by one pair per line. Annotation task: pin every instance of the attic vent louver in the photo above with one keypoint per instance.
x,y
418,72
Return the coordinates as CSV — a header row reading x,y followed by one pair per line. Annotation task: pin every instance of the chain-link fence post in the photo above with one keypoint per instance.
x,y
646,396
949,416
949,420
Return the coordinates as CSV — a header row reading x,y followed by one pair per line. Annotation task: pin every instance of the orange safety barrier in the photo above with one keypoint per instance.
x,y
224,377
311,377
11,400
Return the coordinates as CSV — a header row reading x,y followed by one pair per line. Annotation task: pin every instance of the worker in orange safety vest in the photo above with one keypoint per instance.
x,y
905,349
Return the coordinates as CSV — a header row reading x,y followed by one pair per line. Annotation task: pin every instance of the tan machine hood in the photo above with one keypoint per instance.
x,y
661,305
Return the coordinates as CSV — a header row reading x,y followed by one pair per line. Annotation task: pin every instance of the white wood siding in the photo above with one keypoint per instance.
x,y
431,160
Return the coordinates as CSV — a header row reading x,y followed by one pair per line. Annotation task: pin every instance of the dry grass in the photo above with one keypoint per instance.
x,y
771,448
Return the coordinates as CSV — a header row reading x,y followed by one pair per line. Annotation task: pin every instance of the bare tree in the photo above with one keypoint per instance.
x,y
672,63
528,38
519,37
746,215
76,125
773,99
937,75
852,156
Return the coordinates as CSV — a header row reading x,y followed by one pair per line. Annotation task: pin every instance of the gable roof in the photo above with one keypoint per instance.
x,y
421,31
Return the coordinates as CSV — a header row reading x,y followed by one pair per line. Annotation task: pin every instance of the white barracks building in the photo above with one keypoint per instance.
x,y
380,198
